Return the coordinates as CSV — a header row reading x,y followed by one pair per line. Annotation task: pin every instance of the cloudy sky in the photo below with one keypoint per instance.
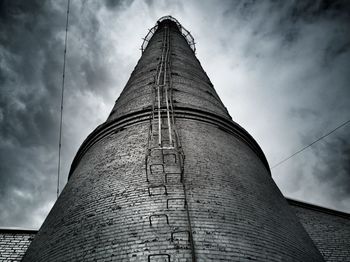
x,y
282,68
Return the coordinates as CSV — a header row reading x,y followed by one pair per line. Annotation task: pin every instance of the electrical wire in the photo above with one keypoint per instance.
x,y
309,145
62,97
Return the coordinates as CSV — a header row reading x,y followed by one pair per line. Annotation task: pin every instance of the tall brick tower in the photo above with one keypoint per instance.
x,y
170,177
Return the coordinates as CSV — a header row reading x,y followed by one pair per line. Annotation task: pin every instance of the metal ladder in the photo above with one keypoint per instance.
x,y
164,166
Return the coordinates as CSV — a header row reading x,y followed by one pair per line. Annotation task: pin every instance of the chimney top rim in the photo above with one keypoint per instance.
x,y
186,34
170,18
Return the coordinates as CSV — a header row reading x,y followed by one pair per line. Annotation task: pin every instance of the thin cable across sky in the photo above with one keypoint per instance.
x,y
309,145
62,97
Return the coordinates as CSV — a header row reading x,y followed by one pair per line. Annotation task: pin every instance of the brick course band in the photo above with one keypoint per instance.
x,y
190,113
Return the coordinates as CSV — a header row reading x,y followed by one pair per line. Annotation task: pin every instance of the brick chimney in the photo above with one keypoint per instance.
x,y
170,177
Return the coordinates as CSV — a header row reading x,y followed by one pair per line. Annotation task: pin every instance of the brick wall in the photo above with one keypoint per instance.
x,y
330,230
14,243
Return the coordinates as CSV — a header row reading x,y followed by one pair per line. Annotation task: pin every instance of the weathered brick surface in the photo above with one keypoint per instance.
x,y
138,92
191,85
330,230
104,211
237,210
14,243
120,205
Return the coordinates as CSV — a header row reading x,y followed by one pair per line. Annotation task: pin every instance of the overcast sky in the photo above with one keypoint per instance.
x,y
282,68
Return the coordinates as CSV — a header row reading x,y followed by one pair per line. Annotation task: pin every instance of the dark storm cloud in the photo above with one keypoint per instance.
x,y
29,108
31,51
291,60
112,4
28,89
333,167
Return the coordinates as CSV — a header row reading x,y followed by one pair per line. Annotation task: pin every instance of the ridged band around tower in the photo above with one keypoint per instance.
x,y
120,123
